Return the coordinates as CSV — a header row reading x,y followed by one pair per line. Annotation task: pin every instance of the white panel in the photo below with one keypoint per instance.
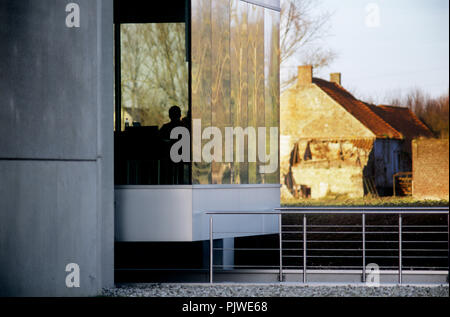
x,y
154,213
248,198
178,213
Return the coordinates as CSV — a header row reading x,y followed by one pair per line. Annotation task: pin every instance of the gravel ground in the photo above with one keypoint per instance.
x,y
285,290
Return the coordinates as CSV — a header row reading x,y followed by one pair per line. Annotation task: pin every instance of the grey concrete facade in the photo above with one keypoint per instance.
x,y
56,147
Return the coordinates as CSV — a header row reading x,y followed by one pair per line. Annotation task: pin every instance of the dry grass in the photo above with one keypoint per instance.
x,y
344,201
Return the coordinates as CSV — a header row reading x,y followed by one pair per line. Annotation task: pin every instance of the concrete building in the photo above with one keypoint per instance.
x,y
333,143
68,189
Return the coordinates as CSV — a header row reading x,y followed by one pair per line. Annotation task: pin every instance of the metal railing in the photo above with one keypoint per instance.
x,y
420,238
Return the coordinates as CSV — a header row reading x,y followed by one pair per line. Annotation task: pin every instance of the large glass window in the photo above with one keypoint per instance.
x,y
211,66
235,83
152,91
154,73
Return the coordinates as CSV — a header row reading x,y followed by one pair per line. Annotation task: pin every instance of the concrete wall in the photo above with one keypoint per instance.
x,y
430,169
56,147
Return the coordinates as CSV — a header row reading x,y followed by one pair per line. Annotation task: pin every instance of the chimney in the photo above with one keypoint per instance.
x,y
335,78
305,75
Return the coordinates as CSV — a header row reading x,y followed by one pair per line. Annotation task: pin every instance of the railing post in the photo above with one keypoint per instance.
x,y
400,264
211,249
280,228
304,248
364,246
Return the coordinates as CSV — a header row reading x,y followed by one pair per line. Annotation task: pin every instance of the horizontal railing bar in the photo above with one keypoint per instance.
x,y
245,249
330,250
346,241
341,232
358,226
299,267
291,241
321,226
361,207
434,268
224,232
371,241
384,250
246,266
425,232
339,210
334,232
382,256
418,226
394,213
425,250
335,256
336,266
350,250
424,257
425,241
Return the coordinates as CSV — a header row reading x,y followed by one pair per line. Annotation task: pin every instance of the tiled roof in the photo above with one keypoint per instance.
x,y
361,111
404,121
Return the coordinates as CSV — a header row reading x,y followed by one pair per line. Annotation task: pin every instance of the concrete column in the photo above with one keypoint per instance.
x,y
56,147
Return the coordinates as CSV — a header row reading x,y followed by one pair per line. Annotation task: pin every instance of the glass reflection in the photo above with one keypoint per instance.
x,y
154,72
201,80
221,83
155,99
235,81
272,81
260,93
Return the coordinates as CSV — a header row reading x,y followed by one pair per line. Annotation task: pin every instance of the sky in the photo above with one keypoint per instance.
x,y
387,47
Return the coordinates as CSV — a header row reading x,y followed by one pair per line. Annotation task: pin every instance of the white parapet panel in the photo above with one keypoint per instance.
x,y
232,198
153,213
179,213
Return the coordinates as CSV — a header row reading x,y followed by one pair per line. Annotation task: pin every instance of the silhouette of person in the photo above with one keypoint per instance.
x,y
175,121
171,173
186,121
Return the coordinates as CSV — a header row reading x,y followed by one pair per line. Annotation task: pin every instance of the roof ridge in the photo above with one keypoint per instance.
x,y
384,121
417,120
397,134
413,115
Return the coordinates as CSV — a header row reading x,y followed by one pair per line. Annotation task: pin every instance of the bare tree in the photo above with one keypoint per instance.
x,y
433,111
154,71
301,37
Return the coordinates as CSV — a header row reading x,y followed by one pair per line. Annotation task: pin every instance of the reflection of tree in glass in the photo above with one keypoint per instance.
x,y
154,71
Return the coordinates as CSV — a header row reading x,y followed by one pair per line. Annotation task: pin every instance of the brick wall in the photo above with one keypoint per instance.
x,y
430,169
